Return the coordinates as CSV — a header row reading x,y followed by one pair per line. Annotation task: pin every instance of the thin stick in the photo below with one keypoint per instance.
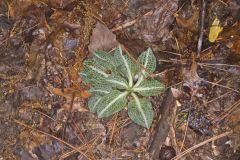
x,y
174,53
65,155
40,112
222,86
201,144
208,66
113,129
184,138
52,136
128,24
219,64
227,112
201,31
219,97
161,73
74,125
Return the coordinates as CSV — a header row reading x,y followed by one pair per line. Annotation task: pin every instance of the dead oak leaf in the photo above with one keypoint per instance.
x,y
102,39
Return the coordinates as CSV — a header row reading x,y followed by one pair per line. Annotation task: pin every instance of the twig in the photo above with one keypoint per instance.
x,y
162,73
113,129
98,18
174,53
208,66
172,131
52,136
223,2
222,86
65,155
74,125
163,126
201,31
226,113
218,97
219,64
128,24
201,144
185,135
40,112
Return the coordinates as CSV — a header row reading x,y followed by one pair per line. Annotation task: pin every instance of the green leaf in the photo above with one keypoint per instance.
x,y
126,65
149,62
149,88
85,77
94,73
117,82
104,59
140,111
100,90
97,70
93,103
91,77
112,103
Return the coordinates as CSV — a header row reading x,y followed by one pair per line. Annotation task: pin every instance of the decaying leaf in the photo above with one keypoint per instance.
x,y
102,39
68,92
236,46
32,139
189,24
214,30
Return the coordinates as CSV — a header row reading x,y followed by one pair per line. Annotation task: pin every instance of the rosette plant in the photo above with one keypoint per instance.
x,y
118,82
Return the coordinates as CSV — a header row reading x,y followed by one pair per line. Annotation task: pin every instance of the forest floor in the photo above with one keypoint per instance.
x,y
43,110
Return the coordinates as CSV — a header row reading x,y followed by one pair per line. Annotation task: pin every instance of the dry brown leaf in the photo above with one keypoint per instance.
x,y
17,8
230,32
207,55
77,106
189,24
32,139
102,39
236,46
69,92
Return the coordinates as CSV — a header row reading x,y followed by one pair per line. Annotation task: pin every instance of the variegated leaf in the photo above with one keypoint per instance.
x,y
148,60
117,82
140,111
85,77
93,103
94,73
126,65
149,88
104,59
91,69
101,89
91,77
112,103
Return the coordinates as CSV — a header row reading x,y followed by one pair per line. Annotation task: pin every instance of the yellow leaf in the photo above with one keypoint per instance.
x,y
214,30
